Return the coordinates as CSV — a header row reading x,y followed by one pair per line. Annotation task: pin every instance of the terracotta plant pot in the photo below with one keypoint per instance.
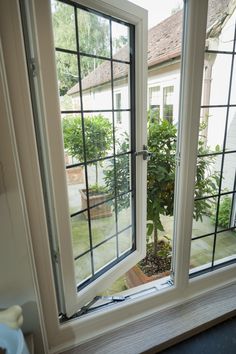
x,y
101,211
75,175
135,277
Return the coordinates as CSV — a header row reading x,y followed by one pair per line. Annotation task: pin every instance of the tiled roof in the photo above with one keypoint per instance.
x,y
164,43
164,40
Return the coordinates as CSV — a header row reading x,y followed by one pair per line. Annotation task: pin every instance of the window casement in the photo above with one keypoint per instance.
x,y
155,100
168,105
90,254
41,61
99,246
161,101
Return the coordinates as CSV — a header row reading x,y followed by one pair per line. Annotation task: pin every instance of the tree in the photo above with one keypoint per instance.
x,y
160,175
94,38
162,137
122,181
64,37
98,138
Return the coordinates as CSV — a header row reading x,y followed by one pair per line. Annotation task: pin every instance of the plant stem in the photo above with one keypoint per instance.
x,y
155,239
96,173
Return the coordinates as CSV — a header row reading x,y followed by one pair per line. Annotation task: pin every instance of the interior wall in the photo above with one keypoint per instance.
x,y
17,282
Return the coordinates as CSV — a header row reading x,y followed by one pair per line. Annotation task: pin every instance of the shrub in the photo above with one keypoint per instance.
x,y
224,212
98,138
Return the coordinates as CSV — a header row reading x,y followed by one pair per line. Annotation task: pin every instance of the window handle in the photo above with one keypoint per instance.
x,y
146,154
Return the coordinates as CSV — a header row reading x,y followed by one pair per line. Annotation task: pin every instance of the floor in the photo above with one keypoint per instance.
x,y
220,339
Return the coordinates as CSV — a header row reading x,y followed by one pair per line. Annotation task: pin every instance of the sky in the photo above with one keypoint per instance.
x,y
158,10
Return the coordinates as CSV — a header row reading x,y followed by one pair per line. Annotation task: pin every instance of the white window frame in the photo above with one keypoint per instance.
x,y
160,89
61,337
45,84
162,85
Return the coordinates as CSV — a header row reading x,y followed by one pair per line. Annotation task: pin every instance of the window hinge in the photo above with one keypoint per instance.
x,y
104,301
55,256
108,299
168,283
171,281
177,159
172,275
33,67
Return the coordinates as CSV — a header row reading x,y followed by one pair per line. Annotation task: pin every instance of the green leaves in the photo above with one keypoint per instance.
x,y
94,38
162,137
94,133
161,170
98,137
224,212
122,170
64,37
149,228
206,181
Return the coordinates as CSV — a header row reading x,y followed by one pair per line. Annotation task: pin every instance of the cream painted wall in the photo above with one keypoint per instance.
x,y
17,284
219,96
100,98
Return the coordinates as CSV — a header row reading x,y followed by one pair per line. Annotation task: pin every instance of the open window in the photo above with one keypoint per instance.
x,y
94,179
43,77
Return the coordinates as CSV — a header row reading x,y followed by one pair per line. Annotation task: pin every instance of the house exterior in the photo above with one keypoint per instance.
x,y
164,65
164,51
163,74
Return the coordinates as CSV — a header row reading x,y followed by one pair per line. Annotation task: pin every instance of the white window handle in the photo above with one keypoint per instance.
x,y
146,154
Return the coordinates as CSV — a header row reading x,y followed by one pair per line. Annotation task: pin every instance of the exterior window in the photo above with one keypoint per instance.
x,y
168,93
213,234
155,100
118,107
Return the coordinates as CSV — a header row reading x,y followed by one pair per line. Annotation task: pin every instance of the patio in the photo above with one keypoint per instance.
x,y
104,228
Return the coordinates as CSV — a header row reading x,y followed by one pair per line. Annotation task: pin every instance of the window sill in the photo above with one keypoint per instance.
x,y
168,327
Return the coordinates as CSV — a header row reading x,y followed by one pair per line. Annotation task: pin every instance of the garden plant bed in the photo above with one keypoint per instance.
x,y
151,267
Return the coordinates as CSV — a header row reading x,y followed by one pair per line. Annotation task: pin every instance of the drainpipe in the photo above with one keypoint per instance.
x,y
206,91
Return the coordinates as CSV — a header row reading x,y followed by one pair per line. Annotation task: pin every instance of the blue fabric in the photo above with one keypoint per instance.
x,y
12,340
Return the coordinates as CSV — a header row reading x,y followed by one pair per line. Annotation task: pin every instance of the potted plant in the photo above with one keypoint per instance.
x,y
97,133
162,137
122,181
